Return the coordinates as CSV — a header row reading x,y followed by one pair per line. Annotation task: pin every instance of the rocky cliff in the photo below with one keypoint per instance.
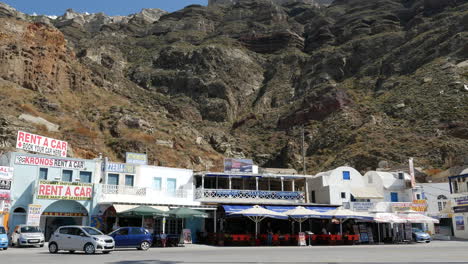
x,y
368,80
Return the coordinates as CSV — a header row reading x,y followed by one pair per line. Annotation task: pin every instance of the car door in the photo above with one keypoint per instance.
x,y
136,236
62,238
73,239
121,237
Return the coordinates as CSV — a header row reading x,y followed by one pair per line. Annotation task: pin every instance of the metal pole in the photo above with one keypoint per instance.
x,y
378,229
164,225
214,221
142,221
303,152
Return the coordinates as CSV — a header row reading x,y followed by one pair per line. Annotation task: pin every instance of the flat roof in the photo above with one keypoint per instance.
x,y
242,174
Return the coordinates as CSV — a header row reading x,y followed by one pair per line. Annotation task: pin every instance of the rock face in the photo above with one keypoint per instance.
x,y
368,80
280,2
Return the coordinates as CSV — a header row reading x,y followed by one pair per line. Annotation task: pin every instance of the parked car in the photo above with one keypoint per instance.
x,y
3,238
80,238
24,235
128,237
421,236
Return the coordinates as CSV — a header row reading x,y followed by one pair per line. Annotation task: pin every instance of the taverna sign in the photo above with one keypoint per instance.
x,y
41,144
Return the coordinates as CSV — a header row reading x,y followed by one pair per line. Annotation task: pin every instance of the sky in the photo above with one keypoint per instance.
x,y
109,7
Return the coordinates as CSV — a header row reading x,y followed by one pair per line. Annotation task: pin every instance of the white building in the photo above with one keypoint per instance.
x,y
341,185
439,206
459,193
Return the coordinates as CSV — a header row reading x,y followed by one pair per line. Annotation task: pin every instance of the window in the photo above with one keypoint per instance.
x,y
85,176
441,205
137,231
43,173
401,176
455,187
171,186
123,232
353,199
19,210
418,196
157,183
67,175
129,180
346,176
112,179
312,197
343,195
394,197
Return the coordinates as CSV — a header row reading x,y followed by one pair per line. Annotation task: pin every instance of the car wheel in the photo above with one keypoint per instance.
x,y
71,251
53,248
428,241
5,248
145,245
89,248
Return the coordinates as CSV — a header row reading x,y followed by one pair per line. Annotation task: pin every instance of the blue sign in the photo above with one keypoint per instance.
x,y
238,165
136,158
120,168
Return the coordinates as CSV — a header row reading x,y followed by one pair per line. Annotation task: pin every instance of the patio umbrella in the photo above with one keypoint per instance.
x,y
341,213
143,211
258,213
301,214
387,218
183,212
418,218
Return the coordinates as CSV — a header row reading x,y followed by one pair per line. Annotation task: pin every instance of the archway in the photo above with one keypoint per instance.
x,y
62,213
18,217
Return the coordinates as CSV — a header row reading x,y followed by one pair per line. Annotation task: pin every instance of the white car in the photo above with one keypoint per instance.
x,y
80,238
25,235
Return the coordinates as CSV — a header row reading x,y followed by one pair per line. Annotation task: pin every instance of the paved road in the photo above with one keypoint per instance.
x,y
437,251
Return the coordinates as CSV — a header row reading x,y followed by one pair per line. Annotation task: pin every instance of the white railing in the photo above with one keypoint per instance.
x,y
218,194
122,189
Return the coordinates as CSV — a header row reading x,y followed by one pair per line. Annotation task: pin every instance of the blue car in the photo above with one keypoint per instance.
x,y
3,238
128,237
421,236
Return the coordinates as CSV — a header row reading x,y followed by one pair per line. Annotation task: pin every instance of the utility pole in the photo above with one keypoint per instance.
x,y
303,151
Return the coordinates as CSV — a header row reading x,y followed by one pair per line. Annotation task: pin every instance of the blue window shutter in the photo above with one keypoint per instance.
x,y
346,175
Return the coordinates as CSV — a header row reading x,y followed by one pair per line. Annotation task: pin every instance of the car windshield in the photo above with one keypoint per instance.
x,y
2,230
417,230
30,229
92,231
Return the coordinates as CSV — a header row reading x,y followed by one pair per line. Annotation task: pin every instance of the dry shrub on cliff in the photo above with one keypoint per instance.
x,y
30,109
84,131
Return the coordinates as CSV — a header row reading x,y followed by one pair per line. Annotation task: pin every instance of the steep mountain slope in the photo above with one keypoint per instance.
x,y
369,80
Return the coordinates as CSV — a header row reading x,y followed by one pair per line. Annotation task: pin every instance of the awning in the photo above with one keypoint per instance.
x,y
282,209
231,209
161,208
366,193
119,208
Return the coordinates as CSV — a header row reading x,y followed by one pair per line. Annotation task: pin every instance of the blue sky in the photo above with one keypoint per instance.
x,y
110,7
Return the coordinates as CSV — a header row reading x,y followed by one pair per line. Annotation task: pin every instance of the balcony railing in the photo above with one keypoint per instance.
x,y
217,194
122,189
129,194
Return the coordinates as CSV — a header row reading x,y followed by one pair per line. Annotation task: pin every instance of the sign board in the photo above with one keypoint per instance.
x,y
34,215
64,191
136,158
120,168
460,209
416,205
186,236
460,222
302,239
238,165
6,178
362,206
41,144
50,162
463,200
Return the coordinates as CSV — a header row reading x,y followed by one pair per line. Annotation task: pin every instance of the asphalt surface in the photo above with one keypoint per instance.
x,y
435,252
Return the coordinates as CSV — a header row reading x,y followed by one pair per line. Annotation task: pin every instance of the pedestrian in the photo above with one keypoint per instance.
x,y
163,238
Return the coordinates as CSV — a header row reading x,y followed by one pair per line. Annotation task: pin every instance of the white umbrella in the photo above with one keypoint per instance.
x,y
341,213
258,213
418,218
300,214
387,218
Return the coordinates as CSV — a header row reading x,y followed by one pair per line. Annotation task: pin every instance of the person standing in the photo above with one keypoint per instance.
x,y
163,238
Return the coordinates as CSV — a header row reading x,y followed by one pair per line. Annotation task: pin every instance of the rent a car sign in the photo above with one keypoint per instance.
x,y
64,191
41,144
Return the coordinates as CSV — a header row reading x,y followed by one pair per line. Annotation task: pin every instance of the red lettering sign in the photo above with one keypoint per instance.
x,y
64,191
